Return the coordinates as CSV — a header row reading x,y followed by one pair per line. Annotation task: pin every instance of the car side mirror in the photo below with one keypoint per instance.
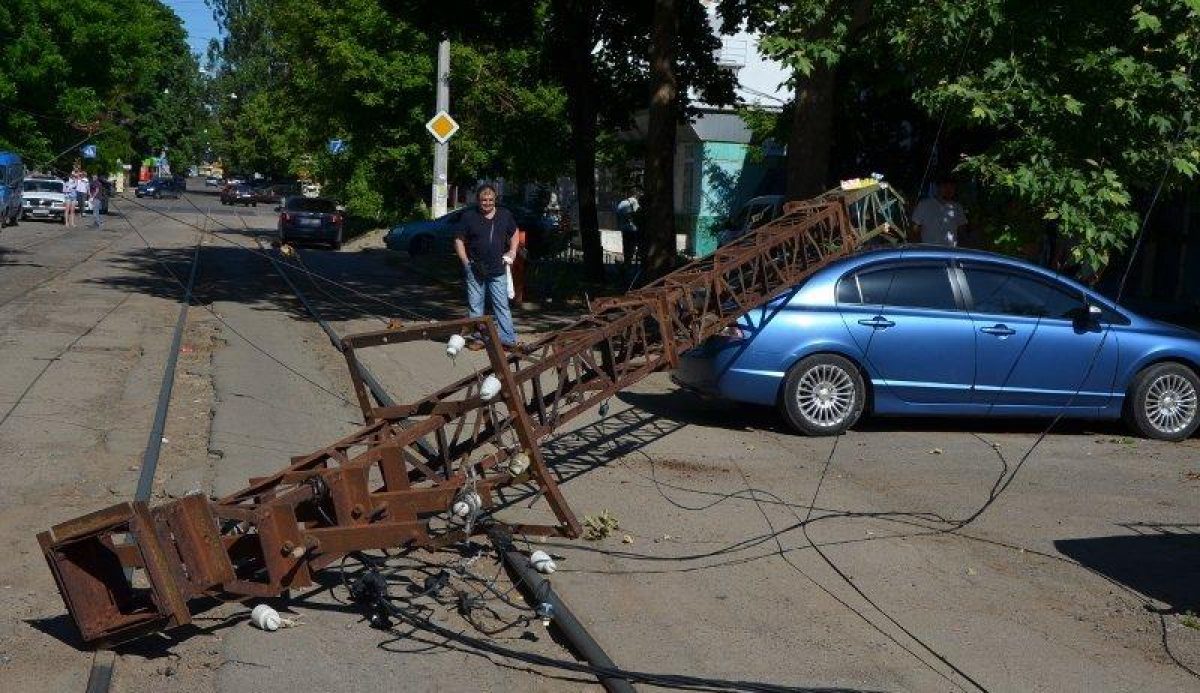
x,y
1087,315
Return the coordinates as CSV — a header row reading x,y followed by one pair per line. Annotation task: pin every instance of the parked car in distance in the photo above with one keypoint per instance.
x,y
920,330
310,220
212,182
275,193
426,235
158,188
43,197
752,214
238,194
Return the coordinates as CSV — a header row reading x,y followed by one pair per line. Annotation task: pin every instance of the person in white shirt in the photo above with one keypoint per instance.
x,y
81,192
940,219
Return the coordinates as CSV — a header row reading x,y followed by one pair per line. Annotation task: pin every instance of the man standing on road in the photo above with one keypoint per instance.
x,y
96,197
485,242
939,218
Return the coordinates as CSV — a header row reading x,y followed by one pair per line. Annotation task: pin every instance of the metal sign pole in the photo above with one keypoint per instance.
x,y
441,149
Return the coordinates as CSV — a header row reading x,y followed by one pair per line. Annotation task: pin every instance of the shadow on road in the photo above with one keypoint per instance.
x,y
686,407
1161,562
8,258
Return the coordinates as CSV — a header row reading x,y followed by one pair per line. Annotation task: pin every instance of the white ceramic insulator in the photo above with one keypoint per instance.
x,y
265,617
455,344
490,387
541,562
518,464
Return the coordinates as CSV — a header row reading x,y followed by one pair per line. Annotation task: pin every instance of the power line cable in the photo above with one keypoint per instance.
x,y
254,345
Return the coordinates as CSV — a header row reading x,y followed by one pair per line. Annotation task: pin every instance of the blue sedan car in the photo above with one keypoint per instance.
x,y
942,331
427,235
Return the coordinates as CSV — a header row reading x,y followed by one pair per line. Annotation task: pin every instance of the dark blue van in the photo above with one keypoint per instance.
x,y
12,172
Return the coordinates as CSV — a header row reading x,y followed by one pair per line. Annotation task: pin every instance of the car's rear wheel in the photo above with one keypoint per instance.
x,y
823,395
420,245
1164,402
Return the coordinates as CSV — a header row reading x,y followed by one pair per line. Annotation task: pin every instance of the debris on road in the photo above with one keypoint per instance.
x,y
597,527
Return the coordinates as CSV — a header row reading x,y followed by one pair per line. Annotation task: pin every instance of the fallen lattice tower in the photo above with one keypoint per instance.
x,y
427,474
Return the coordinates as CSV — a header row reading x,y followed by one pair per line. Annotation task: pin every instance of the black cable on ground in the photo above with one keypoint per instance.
x,y
677,681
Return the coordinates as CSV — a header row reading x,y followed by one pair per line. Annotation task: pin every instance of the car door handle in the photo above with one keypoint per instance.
x,y
998,330
878,322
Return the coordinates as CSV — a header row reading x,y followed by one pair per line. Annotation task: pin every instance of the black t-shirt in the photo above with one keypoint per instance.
x,y
486,239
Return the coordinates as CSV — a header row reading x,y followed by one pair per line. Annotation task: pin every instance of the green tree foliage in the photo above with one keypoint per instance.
x,y
118,71
1069,109
1087,104
305,71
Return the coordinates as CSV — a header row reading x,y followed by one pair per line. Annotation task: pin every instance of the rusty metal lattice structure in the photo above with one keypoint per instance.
x,y
397,481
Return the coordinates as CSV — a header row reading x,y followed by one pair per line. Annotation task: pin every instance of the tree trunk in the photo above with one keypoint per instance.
x,y
576,17
659,234
812,132
811,139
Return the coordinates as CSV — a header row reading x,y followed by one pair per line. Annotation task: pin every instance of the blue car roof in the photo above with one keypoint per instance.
x,y
9,158
920,250
940,252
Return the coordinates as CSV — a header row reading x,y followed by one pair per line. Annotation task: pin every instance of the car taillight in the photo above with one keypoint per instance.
x,y
285,217
337,219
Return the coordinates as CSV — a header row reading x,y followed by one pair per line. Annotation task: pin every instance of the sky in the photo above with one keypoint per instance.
x,y
198,21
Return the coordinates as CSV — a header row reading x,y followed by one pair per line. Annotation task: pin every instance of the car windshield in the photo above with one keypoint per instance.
x,y
311,204
42,186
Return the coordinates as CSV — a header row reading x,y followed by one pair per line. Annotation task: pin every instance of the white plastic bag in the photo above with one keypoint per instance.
x,y
512,290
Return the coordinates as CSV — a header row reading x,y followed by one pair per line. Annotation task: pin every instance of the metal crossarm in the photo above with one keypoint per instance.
x,y
428,473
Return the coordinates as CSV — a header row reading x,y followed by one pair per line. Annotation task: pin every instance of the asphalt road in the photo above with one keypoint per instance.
x,y
1075,577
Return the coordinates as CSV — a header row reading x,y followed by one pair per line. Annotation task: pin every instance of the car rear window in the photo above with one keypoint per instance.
x,y
311,204
42,186
920,286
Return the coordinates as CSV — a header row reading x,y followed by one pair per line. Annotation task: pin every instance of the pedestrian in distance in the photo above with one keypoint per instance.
x,y
939,219
631,235
81,194
486,241
96,194
69,200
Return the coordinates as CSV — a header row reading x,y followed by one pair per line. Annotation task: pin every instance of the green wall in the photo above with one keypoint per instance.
x,y
728,177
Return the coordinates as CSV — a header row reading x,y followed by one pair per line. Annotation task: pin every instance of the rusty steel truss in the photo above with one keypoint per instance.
x,y
132,569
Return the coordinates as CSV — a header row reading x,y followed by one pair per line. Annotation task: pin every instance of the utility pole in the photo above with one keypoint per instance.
x,y
441,150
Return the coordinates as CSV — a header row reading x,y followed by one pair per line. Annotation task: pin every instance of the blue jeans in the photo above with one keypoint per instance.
x,y
482,290
96,212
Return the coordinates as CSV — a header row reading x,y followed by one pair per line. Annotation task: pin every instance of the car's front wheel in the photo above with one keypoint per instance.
x,y
823,395
1164,402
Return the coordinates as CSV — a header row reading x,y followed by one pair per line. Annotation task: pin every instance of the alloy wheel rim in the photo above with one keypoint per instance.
x,y
1170,404
825,395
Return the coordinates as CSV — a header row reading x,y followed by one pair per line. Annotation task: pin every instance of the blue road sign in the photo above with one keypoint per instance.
x,y
89,151
337,146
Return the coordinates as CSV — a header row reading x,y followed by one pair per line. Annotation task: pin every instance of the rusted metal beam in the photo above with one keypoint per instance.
x,y
394,482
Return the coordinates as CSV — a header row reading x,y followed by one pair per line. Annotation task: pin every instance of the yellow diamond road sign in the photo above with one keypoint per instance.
x,y
442,126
